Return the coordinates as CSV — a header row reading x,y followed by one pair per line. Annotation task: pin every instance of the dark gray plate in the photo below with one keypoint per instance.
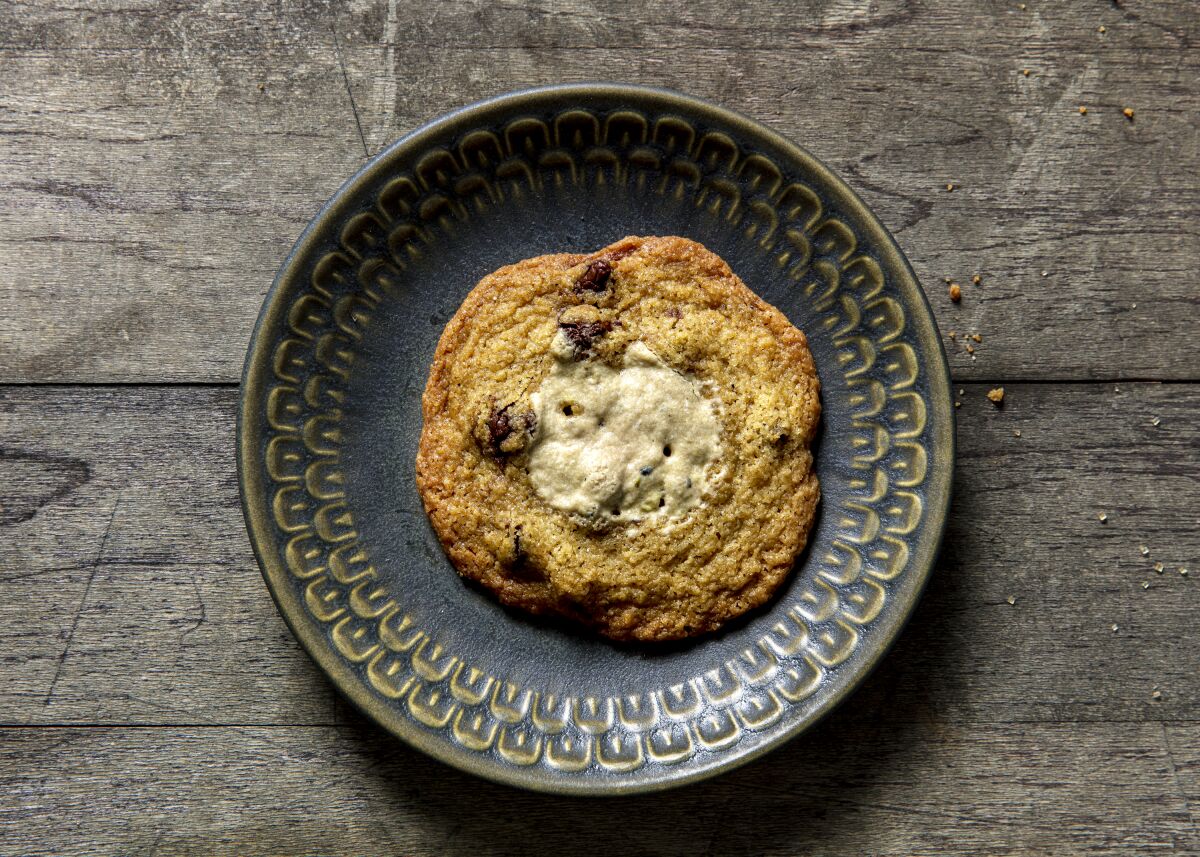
x,y
330,418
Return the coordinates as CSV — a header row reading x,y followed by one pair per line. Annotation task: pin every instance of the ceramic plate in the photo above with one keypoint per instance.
x,y
331,414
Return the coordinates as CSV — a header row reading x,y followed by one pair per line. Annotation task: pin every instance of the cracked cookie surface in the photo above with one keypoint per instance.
x,y
683,523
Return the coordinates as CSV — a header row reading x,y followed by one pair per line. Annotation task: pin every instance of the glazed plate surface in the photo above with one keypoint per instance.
x,y
331,415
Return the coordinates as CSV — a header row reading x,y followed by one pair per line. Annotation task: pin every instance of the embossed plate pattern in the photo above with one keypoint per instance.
x,y
330,418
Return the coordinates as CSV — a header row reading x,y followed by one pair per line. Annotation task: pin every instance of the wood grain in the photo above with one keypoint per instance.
x,y
885,787
157,161
127,579
129,593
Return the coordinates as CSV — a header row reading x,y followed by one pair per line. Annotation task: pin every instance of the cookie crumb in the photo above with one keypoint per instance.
x,y
1158,566
970,348
1102,29
1082,110
1183,572
977,337
977,279
1103,518
947,280
1016,432
1025,72
996,395
953,335
949,186
1156,694
958,404
1128,112
1012,599
955,292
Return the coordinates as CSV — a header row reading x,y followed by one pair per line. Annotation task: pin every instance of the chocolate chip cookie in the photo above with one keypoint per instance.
x,y
622,438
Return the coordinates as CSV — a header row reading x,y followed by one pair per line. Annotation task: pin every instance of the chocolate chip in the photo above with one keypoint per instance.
x,y
500,426
522,566
581,334
504,429
595,277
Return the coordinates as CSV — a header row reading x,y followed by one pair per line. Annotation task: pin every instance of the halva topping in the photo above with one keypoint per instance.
x,y
623,443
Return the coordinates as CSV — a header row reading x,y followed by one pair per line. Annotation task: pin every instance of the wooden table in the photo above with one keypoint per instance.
x,y
157,162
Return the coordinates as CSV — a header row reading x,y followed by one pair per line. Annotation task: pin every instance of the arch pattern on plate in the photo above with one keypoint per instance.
x,y
367,624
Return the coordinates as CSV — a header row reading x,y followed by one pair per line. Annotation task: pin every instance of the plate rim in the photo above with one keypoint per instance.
x,y
249,433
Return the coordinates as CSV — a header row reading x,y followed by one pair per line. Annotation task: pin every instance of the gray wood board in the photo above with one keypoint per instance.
x,y
156,162
129,593
879,787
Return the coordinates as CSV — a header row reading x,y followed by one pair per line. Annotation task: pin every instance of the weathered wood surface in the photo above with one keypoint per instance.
x,y
156,161
884,788
149,692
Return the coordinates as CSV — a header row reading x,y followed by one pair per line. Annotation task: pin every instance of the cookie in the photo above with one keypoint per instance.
x,y
622,438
